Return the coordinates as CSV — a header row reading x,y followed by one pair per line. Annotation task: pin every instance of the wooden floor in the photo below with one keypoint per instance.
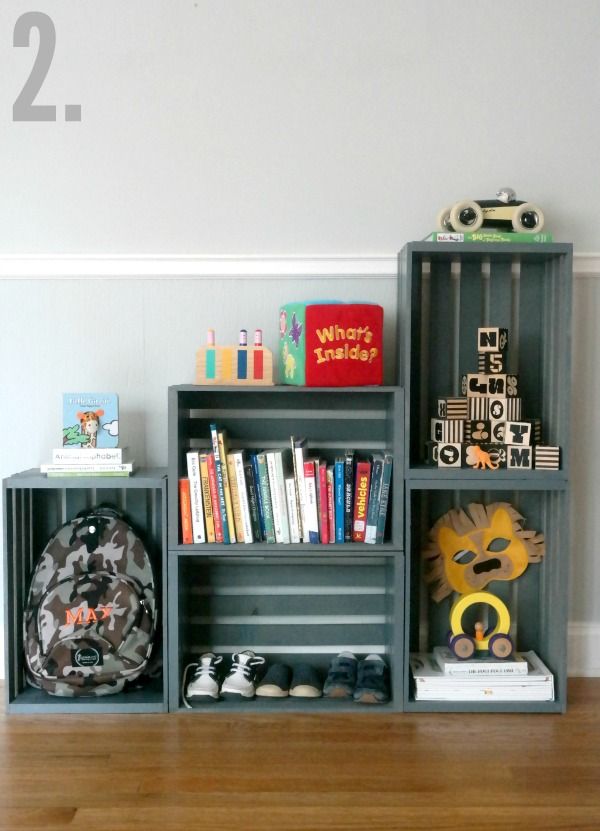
x,y
292,773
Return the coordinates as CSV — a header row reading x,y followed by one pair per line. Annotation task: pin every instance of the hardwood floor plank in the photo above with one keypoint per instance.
x,y
305,773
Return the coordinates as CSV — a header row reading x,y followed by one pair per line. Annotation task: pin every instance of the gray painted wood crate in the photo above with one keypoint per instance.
x,y
34,507
447,291
290,603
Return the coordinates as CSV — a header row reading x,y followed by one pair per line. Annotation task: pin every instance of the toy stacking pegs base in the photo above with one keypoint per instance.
x,y
240,365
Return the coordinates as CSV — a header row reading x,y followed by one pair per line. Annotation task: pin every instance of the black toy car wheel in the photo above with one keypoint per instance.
x,y
528,218
466,216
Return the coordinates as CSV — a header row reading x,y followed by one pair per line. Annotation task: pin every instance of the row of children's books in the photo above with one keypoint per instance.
x,y
284,495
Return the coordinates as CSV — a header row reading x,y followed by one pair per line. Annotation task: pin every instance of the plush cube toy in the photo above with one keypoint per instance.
x,y
331,344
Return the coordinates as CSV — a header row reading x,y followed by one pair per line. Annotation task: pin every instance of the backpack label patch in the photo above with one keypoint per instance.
x,y
88,657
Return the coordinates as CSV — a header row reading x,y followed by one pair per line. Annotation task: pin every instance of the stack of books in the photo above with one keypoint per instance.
x,y
282,495
443,677
90,438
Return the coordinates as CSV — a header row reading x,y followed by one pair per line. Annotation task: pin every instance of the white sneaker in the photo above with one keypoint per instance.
x,y
204,683
242,675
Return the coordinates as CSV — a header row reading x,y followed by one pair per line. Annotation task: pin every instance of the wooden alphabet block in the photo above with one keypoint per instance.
x,y
477,385
452,408
485,456
505,409
478,408
546,457
478,430
491,363
519,456
492,339
449,454
497,427
447,429
517,432
536,430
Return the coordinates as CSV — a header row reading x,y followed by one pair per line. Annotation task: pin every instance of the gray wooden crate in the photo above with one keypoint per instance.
x,y
366,419
446,292
289,602
537,600
34,507
289,609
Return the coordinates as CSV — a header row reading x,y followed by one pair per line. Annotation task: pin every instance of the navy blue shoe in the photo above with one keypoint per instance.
x,y
341,678
372,681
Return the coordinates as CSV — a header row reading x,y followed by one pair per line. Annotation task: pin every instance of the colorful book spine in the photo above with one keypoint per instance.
x,y
330,503
193,471
338,475
361,500
235,499
292,507
259,496
215,497
253,501
323,509
246,525
489,236
263,479
298,452
385,495
278,496
374,498
348,494
223,450
209,519
185,512
220,468
310,502
76,455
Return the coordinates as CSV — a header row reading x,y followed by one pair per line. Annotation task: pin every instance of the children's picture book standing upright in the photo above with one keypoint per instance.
x,y
90,419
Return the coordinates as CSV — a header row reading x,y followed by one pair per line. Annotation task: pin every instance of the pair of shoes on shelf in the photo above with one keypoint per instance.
x,y
366,681
280,681
238,683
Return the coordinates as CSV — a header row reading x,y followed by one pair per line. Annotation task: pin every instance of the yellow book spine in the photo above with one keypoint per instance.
x,y
226,486
235,498
208,511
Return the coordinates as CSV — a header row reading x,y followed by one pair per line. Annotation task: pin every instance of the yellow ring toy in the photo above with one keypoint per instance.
x,y
465,601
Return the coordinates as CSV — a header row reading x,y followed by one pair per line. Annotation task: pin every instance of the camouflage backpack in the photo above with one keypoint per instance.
x,y
90,618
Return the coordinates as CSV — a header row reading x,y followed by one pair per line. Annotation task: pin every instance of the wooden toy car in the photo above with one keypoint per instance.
x,y
496,641
505,212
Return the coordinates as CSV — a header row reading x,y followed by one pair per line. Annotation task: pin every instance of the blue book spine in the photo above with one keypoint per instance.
x,y
220,488
386,481
338,477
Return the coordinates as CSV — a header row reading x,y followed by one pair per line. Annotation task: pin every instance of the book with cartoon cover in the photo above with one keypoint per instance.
x,y
90,419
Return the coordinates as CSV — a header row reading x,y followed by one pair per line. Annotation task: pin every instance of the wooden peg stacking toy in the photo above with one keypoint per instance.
x,y
235,365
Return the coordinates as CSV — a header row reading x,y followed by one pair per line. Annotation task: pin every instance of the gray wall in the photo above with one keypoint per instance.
x,y
276,127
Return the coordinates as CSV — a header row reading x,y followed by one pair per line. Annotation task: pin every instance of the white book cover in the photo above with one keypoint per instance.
x,y
485,665
278,497
292,505
84,467
89,455
240,477
431,684
196,500
310,502
299,446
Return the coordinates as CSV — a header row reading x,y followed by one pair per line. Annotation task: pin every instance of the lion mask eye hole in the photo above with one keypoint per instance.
x,y
464,557
497,545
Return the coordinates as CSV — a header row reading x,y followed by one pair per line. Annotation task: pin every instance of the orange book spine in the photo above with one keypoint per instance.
x,y
185,509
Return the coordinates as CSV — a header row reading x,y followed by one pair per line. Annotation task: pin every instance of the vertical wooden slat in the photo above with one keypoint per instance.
x,y
455,274
485,290
515,292
424,350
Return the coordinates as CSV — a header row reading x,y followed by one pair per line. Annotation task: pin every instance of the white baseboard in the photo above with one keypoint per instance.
x,y
583,646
